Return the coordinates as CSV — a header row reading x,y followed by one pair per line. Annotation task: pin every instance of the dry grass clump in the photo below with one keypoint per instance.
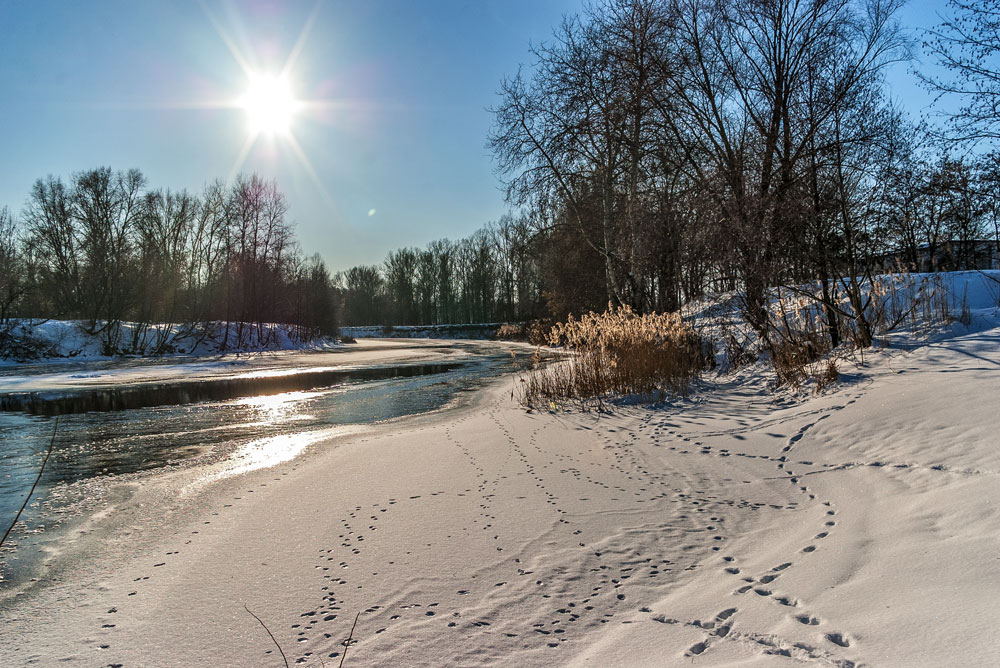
x,y
903,300
739,348
512,331
827,375
794,360
538,331
798,343
618,352
535,332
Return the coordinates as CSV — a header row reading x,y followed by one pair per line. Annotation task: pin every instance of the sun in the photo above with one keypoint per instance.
x,y
270,105
269,101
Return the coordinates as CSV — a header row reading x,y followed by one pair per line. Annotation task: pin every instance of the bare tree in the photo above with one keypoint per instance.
x,y
364,288
260,243
400,276
106,208
989,193
967,44
163,235
745,102
52,244
559,138
12,272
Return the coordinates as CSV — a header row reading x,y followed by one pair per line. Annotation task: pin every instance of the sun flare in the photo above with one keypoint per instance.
x,y
270,102
270,105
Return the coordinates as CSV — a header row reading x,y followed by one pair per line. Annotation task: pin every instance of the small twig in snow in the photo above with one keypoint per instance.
x,y
347,643
283,657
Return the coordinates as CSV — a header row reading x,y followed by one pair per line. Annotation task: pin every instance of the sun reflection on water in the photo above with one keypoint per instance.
x,y
273,450
277,408
269,451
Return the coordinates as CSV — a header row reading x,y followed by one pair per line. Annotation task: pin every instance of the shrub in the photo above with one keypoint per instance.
x,y
827,376
798,343
617,353
793,357
512,332
538,331
739,347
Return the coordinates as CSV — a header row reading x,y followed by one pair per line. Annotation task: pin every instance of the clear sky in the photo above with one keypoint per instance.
x,y
392,155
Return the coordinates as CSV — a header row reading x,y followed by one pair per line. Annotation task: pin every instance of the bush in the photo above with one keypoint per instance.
x,y
793,358
512,332
827,376
538,331
798,344
617,353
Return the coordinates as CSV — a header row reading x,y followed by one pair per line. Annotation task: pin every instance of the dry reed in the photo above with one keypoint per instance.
x,y
616,353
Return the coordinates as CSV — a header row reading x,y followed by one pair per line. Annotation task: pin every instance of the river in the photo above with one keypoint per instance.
x,y
245,410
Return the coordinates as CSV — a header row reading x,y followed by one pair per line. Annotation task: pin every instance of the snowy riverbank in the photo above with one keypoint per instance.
x,y
26,340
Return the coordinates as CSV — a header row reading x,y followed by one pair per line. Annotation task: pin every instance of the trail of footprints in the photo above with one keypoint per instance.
x,y
616,563
759,585
326,626
315,623
320,621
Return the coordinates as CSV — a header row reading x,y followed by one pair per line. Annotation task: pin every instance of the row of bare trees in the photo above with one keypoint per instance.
x,y
669,147
528,267
661,149
103,248
490,276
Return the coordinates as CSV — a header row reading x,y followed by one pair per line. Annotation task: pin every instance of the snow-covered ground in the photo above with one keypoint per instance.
x,y
733,528
907,310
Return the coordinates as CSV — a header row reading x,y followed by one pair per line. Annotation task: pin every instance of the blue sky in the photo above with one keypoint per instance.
x,y
152,85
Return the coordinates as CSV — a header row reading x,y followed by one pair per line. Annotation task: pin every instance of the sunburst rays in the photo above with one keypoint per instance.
x,y
270,102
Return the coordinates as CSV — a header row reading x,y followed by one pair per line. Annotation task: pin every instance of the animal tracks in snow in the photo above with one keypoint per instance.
x,y
761,586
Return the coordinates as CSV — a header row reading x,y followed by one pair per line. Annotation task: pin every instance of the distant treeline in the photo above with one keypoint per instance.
x,y
661,149
105,248
494,275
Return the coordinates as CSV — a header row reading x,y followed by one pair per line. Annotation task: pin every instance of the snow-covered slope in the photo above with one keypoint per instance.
x,y
32,340
905,310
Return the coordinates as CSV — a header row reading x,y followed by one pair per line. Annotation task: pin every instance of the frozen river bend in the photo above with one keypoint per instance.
x,y
121,422
65,387
858,528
